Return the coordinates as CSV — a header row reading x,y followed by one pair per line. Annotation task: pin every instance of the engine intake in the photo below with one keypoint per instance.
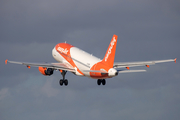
x,y
46,71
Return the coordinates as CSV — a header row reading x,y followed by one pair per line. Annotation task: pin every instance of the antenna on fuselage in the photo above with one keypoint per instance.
x,y
65,42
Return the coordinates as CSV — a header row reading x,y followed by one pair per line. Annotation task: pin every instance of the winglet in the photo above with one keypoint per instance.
x,y
6,61
175,60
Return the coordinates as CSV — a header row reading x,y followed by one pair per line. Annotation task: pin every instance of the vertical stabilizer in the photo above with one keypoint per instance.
x,y
110,53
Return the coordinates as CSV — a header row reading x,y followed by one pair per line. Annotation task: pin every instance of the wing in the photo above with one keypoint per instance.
x,y
56,66
143,63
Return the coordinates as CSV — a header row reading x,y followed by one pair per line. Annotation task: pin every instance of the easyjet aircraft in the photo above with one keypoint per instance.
x,y
81,63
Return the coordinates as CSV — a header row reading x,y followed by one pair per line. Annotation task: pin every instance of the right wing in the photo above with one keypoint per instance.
x,y
143,63
56,66
135,64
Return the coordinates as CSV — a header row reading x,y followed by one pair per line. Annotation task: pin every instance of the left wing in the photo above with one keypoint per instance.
x,y
143,63
56,66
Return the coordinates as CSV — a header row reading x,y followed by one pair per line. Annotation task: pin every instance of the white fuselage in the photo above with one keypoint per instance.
x,y
82,60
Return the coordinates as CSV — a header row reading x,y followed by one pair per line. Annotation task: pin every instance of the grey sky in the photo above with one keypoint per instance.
x,y
146,29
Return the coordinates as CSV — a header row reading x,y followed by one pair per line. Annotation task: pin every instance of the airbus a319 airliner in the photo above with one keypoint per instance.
x,y
81,63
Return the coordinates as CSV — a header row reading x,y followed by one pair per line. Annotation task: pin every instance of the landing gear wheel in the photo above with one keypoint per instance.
x,y
103,82
99,81
61,82
65,82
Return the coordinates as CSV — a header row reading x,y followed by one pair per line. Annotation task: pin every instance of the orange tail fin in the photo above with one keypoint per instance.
x,y
110,53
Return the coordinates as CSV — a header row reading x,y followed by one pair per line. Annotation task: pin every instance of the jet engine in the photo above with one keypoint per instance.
x,y
46,71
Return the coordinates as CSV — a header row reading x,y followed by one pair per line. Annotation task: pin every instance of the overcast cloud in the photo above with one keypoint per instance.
x,y
146,29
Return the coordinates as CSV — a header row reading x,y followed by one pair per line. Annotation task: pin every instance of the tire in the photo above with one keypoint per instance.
x,y
99,82
61,82
103,82
65,82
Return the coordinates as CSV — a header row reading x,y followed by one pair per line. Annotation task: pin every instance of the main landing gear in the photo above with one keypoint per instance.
x,y
63,81
99,81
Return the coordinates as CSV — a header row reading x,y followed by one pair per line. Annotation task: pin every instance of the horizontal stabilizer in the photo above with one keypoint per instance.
x,y
97,71
130,71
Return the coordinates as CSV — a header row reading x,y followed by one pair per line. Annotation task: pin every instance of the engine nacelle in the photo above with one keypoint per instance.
x,y
46,71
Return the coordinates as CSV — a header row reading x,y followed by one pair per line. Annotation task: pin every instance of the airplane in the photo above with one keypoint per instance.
x,y
81,63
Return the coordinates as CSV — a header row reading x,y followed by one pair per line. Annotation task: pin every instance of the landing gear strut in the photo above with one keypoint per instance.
x,y
63,81
103,81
